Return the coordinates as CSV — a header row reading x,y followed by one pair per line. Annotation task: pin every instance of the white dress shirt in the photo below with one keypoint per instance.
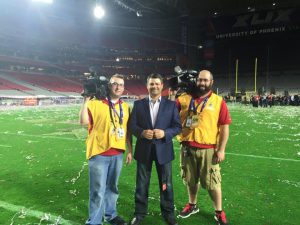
x,y
154,106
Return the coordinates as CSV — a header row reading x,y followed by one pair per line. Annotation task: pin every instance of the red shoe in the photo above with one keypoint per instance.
x,y
188,210
221,218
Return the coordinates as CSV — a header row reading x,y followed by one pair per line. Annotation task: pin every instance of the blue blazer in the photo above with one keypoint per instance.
x,y
167,119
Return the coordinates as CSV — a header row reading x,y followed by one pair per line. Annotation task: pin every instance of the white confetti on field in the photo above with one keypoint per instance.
x,y
73,180
292,183
74,192
30,157
45,217
21,214
24,213
31,141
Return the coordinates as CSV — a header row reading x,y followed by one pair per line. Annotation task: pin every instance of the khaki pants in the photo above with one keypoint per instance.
x,y
197,165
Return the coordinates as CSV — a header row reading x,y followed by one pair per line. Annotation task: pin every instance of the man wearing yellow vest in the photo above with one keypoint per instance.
x,y
106,142
205,130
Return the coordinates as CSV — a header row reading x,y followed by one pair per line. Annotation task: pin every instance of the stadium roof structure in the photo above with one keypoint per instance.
x,y
197,8
168,9
160,13
159,9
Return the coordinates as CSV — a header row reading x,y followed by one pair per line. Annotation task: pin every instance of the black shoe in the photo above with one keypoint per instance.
x,y
136,220
170,220
117,221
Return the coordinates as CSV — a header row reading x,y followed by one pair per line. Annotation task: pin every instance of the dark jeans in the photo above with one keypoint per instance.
x,y
143,176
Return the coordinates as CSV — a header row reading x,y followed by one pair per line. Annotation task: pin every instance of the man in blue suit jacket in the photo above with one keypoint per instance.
x,y
154,121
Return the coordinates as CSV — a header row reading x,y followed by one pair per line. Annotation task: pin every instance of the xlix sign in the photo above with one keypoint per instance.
x,y
256,19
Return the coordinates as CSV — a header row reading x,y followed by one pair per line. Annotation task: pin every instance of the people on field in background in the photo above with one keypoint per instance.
x,y
295,100
106,142
205,120
255,100
264,101
270,100
154,121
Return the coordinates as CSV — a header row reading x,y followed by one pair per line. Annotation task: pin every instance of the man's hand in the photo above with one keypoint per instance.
x,y
148,134
83,114
158,134
86,99
128,158
219,156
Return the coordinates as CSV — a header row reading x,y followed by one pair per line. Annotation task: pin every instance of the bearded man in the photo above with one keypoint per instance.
x,y
205,130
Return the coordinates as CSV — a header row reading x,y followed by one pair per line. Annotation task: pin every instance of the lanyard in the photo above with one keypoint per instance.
x,y
120,115
194,109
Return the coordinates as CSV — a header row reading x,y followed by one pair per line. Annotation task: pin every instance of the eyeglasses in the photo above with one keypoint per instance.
x,y
115,84
204,80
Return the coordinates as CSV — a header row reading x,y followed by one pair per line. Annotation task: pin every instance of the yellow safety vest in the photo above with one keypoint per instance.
x,y
207,130
103,135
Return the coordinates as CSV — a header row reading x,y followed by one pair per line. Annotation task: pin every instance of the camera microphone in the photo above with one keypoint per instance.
x,y
192,72
178,70
102,78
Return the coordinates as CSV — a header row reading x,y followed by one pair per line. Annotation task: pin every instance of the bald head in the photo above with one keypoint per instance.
x,y
205,74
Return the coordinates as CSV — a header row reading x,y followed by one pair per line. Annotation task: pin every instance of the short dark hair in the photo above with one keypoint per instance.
x,y
155,76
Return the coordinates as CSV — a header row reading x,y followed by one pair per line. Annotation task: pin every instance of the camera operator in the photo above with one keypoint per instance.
x,y
106,142
205,130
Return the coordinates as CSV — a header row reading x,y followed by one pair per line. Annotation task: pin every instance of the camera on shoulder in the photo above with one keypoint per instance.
x,y
185,81
95,85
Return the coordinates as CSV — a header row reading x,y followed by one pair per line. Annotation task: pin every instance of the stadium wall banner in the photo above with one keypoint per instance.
x,y
257,23
30,101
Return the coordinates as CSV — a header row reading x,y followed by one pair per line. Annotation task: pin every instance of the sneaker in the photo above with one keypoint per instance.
x,y
188,210
117,221
170,220
136,220
221,218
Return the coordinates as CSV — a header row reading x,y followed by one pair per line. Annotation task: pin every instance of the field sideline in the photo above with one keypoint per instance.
x,y
44,180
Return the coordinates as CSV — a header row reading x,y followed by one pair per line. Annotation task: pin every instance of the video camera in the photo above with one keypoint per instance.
x,y
184,81
95,86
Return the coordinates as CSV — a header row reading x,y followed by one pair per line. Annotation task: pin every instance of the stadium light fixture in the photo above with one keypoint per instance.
x,y
251,9
215,14
43,1
99,12
139,14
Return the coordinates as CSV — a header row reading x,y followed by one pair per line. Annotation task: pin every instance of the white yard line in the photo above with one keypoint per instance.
x,y
75,139
34,213
42,136
264,132
263,157
6,146
258,156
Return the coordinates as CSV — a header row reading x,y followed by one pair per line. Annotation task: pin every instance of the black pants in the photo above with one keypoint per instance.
x,y
143,176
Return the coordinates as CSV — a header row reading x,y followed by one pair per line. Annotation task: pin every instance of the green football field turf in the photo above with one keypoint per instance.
x,y
44,177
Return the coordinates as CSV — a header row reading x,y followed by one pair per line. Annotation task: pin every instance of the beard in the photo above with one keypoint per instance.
x,y
201,90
